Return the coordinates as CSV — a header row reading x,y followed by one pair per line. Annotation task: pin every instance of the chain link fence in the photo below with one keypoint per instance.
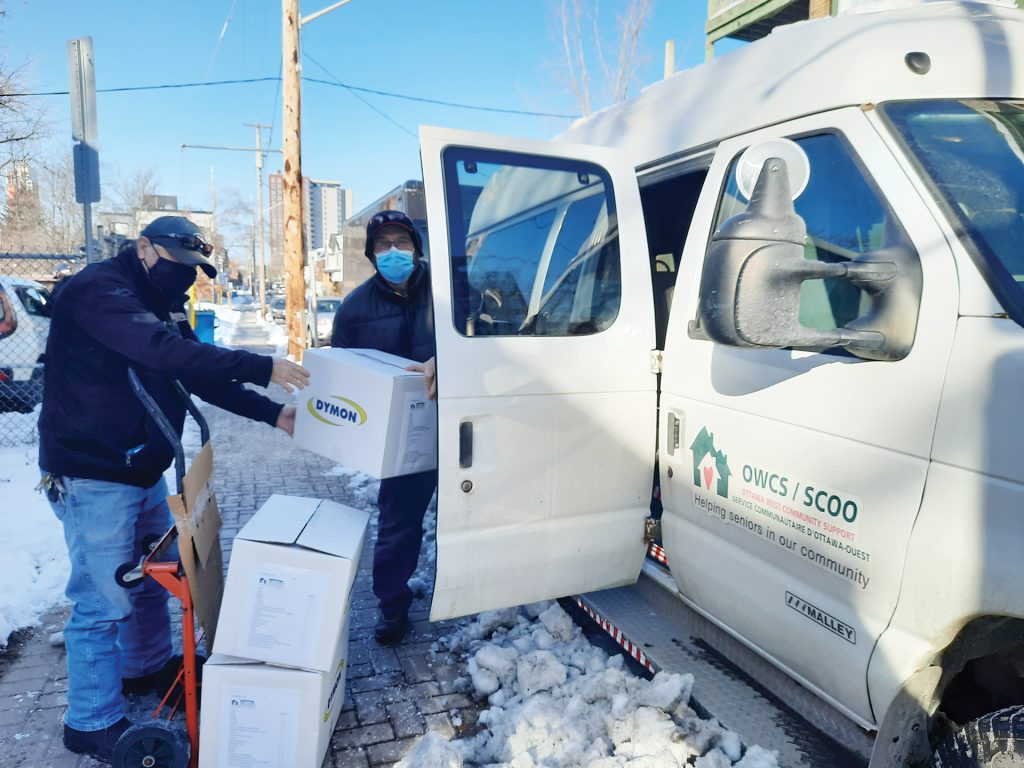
x,y
27,284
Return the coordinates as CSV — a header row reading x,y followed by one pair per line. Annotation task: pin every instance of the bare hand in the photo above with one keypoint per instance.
x,y
429,371
289,375
286,420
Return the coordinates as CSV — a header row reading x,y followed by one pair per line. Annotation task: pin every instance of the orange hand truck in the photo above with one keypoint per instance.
x,y
159,743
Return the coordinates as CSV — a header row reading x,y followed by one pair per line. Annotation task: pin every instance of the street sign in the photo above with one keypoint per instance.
x,y
87,173
82,86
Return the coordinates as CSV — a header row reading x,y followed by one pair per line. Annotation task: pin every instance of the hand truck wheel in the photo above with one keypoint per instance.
x,y
156,744
129,575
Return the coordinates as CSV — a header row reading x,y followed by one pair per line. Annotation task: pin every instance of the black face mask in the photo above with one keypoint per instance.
x,y
171,278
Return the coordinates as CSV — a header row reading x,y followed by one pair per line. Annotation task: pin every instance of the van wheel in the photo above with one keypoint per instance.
x,y
995,740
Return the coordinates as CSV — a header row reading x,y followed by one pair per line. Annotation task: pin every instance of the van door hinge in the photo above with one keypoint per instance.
x,y
657,358
652,530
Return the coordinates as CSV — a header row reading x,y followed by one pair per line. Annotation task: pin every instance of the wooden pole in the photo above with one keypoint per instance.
x,y
291,177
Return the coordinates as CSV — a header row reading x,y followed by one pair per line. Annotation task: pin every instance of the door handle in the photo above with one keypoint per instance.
x,y
466,445
672,439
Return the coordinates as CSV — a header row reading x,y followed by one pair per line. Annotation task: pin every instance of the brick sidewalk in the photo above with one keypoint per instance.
x,y
393,695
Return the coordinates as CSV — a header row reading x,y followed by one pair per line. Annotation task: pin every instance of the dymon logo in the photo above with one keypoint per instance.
x,y
336,411
710,468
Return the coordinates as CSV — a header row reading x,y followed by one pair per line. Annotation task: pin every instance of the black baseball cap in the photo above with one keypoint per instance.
x,y
390,219
183,240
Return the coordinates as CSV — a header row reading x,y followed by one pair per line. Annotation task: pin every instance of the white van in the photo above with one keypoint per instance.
x,y
24,326
831,387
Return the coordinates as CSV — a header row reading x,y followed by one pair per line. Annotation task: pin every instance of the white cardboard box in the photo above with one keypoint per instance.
x,y
263,716
289,582
364,410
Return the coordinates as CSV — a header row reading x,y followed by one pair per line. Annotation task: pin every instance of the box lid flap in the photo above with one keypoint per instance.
x,y
227,660
280,520
386,358
335,530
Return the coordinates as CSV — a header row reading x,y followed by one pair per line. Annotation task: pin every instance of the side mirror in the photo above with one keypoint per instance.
x,y
755,267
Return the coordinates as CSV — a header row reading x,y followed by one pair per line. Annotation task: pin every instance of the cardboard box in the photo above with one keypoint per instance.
x,y
364,410
289,582
198,523
263,716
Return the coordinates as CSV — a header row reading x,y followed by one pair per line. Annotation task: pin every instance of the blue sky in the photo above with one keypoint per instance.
x,y
479,52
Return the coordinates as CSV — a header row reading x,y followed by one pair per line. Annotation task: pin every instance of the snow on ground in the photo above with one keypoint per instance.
x,y
559,702
33,558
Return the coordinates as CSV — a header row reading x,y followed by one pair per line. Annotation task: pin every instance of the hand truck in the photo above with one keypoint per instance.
x,y
159,743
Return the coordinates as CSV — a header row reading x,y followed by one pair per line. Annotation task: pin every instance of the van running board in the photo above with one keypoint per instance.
x,y
658,631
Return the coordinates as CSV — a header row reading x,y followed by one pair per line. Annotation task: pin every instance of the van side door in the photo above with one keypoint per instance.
x,y
797,476
546,398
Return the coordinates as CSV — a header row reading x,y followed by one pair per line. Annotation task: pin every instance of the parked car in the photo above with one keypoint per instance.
x,y
24,325
277,309
325,310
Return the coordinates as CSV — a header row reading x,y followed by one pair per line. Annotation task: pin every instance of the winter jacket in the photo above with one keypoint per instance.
x,y
376,316
109,317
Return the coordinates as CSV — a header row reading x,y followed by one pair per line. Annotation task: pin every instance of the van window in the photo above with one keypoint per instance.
x,y
8,320
534,245
972,155
845,215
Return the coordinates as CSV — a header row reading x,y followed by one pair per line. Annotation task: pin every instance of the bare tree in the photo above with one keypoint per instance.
x,y
128,191
21,121
62,223
584,39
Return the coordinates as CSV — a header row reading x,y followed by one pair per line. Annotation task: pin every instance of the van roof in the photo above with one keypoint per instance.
x,y
854,58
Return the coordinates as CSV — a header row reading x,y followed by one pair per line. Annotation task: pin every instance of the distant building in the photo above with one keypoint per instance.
x,y
326,205
749,20
112,227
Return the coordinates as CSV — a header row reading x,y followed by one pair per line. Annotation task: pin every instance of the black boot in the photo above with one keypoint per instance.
x,y
391,628
96,744
161,680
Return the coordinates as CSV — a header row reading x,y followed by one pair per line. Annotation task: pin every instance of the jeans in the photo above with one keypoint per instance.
x,y
112,632
402,501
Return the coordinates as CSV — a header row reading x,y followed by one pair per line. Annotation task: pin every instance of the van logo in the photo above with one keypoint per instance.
x,y
710,465
336,411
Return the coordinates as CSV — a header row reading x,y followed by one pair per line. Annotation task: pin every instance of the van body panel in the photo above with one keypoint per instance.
x,y
825,455
963,561
559,429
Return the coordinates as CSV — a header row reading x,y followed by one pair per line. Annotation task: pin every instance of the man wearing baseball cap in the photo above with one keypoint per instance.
x,y
392,312
103,457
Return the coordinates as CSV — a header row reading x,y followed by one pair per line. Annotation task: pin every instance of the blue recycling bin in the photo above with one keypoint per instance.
x,y
205,325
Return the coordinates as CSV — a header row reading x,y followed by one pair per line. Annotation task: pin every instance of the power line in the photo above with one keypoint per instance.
x,y
334,83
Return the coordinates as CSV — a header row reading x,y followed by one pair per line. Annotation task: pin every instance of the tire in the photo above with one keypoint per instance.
x,y
995,740
156,744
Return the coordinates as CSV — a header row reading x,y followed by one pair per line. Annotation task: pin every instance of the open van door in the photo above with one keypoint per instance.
x,y
546,396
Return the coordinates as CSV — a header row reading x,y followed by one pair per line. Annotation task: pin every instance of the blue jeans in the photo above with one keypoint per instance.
x,y
402,501
112,632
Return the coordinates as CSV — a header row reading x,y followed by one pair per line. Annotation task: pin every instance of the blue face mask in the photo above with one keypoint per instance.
x,y
395,266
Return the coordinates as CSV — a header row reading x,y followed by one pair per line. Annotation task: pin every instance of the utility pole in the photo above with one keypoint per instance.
x,y
260,152
259,207
291,176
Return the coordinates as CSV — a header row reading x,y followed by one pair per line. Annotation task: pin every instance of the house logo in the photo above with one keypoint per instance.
x,y
336,411
710,466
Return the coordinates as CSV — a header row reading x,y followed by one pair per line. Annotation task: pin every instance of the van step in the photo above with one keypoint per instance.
x,y
760,704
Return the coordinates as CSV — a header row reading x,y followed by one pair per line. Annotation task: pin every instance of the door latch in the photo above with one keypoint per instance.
x,y
674,428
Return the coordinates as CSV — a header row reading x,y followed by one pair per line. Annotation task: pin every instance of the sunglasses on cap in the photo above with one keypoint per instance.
x,y
389,216
188,242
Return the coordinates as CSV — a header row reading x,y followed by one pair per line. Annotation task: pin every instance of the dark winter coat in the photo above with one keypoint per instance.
x,y
376,316
108,317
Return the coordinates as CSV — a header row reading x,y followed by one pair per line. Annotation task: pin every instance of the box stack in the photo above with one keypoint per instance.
x,y
274,686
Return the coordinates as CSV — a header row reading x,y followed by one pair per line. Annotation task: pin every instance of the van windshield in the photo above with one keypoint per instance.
x,y
972,154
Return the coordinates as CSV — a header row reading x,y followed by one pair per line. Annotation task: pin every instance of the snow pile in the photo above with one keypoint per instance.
x,y
556,701
35,562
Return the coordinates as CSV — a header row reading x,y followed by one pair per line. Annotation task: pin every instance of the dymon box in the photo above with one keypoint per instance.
x,y
289,581
364,410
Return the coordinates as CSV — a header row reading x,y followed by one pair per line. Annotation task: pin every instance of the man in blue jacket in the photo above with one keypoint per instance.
x,y
103,457
392,312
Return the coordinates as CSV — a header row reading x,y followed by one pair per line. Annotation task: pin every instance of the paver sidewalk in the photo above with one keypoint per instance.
x,y
393,695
